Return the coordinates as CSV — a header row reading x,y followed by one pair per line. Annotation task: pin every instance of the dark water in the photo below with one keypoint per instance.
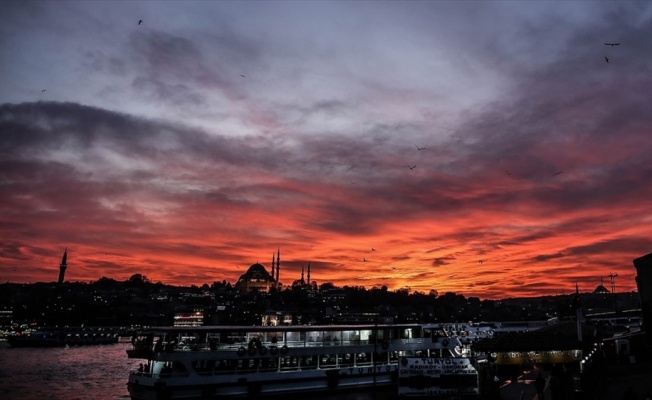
x,y
84,373
87,372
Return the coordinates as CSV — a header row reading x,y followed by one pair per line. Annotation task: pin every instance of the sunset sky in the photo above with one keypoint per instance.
x,y
484,148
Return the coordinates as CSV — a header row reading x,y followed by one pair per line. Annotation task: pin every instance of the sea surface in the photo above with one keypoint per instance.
x,y
83,373
65,373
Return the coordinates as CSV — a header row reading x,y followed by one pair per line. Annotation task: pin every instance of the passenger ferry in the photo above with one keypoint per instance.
x,y
250,361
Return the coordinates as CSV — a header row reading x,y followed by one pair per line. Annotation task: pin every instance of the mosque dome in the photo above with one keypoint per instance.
x,y
601,290
256,278
256,271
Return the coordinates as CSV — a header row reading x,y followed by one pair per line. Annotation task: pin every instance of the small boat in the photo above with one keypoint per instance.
x,y
246,361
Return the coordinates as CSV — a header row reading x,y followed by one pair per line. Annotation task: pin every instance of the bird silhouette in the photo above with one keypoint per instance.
x,y
43,91
412,167
606,59
481,261
364,260
612,44
140,21
373,249
243,76
557,173
419,148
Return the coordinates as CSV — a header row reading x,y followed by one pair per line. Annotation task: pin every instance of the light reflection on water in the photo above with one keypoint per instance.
x,y
68,373
83,373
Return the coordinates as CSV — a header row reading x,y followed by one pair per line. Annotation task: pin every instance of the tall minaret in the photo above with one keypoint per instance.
x,y
272,265
302,281
63,266
278,263
308,272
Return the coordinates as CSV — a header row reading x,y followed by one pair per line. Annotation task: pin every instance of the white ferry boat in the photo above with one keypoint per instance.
x,y
251,361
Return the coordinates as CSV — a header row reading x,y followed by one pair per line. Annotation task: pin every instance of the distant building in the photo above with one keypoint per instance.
x,y
258,279
6,317
194,317
643,267
601,289
276,318
63,266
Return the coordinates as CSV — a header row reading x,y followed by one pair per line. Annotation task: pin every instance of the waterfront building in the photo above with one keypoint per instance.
x,y
194,317
276,318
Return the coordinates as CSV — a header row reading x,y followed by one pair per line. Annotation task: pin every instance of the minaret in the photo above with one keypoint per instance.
x,y
302,281
63,266
272,265
278,263
308,272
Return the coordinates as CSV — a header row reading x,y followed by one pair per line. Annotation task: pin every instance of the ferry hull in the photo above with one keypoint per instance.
x,y
331,382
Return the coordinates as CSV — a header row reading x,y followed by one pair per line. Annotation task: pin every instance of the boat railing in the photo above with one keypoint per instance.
x,y
289,344
269,345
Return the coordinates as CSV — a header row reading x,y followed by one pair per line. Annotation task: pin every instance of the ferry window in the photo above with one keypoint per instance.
x,y
327,361
289,363
269,364
345,359
173,369
247,365
294,336
393,356
275,337
363,359
381,357
309,362
313,336
203,367
225,366
366,335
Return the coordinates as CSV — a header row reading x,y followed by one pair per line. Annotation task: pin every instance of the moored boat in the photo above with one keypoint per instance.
x,y
239,361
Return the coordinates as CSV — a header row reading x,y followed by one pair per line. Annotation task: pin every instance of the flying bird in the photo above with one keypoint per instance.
x,y
412,167
243,76
43,91
557,173
481,261
612,44
140,21
419,148
373,249
606,59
